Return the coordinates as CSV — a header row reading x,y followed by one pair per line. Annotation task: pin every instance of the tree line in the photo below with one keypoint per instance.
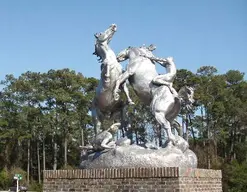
x,y
45,117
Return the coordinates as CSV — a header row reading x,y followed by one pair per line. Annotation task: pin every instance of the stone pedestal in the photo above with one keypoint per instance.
x,y
165,179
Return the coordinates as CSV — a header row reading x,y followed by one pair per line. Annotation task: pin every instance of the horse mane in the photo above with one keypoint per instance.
x,y
184,90
96,52
184,93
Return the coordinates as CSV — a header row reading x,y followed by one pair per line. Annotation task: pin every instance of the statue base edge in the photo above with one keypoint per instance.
x,y
133,179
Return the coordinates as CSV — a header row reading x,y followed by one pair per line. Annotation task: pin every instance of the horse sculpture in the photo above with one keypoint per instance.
x,y
141,73
104,103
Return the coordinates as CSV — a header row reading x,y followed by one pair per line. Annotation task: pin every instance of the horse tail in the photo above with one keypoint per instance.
x,y
177,126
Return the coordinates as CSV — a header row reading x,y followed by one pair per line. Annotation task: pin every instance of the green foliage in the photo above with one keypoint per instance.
x,y
237,174
34,186
41,119
17,170
241,151
4,179
207,71
234,76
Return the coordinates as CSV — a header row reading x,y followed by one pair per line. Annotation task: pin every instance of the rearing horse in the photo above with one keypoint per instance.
x,y
141,73
104,102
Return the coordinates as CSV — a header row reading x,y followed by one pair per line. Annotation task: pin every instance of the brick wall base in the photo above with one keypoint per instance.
x,y
167,179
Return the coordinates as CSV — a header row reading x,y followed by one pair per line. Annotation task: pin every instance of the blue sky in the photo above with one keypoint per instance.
x,y
55,34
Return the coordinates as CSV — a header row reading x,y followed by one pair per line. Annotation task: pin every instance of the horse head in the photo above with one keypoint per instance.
x,y
123,55
103,39
186,94
107,35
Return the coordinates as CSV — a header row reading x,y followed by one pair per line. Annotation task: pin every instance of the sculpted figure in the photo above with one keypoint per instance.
x,y
141,73
103,140
104,105
167,78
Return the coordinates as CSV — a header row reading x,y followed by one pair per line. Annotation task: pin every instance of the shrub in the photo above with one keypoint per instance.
x,y
236,174
5,179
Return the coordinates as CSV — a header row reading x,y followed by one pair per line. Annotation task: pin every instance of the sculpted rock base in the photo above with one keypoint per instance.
x,y
138,156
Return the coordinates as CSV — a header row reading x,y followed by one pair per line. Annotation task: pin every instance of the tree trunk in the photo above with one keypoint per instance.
x,y
43,152
38,163
54,141
208,155
66,144
208,139
233,140
208,126
246,153
130,134
82,137
187,128
31,160
54,152
193,135
184,134
136,133
65,151
202,117
28,160
216,151
192,131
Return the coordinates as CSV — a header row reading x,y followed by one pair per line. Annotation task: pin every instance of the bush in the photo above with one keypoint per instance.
x,y
35,187
5,179
14,171
235,174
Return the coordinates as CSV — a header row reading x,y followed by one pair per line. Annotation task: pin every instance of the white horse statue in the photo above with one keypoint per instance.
x,y
153,89
104,103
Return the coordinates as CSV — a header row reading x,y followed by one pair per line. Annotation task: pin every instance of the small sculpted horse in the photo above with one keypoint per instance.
x,y
141,72
104,103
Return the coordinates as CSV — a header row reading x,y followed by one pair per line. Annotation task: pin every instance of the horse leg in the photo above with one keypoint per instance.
x,y
176,125
96,120
165,124
126,91
125,123
121,79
